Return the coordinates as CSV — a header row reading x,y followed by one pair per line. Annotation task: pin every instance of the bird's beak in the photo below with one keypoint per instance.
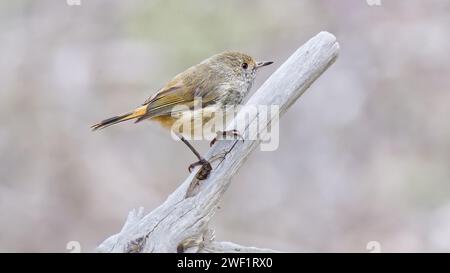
x,y
261,64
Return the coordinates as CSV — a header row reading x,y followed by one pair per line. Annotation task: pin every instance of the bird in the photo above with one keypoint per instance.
x,y
219,81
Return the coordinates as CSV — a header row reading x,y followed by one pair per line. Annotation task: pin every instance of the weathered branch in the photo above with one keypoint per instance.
x,y
181,222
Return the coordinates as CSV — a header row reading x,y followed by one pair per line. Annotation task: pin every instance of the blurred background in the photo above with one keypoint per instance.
x,y
364,155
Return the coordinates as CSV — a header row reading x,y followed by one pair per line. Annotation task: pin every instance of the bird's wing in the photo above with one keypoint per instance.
x,y
181,92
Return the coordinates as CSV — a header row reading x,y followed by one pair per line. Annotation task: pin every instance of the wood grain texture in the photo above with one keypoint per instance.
x,y
181,222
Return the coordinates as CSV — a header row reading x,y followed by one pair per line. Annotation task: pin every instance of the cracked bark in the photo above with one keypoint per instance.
x,y
180,224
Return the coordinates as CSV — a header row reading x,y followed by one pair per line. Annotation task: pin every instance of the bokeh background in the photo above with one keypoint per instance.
x,y
364,155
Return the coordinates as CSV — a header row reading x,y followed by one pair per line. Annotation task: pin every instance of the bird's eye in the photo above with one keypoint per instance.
x,y
245,65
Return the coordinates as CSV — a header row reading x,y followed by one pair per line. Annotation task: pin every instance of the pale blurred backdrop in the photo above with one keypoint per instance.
x,y
364,155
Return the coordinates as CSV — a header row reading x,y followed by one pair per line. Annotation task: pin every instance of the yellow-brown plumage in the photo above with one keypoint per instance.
x,y
223,79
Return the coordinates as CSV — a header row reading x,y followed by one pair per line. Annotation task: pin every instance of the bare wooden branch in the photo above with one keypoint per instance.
x,y
181,222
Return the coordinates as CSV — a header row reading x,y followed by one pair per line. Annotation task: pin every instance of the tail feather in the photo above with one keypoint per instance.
x,y
139,112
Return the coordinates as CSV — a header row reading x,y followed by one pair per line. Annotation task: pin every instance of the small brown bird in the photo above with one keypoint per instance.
x,y
221,80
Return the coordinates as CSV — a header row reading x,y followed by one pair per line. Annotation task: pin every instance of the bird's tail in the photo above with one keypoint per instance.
x,y
139,112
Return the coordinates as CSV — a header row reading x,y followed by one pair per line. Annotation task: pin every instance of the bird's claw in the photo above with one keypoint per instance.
x,y
204,171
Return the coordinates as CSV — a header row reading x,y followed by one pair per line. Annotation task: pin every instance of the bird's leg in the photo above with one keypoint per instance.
x,y
223,134
197,154
206,166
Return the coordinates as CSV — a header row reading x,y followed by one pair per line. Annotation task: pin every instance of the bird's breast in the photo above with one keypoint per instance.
x,y
202,123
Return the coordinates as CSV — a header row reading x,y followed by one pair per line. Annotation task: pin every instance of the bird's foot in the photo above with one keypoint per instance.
x,y
206,165
223,135
204,171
